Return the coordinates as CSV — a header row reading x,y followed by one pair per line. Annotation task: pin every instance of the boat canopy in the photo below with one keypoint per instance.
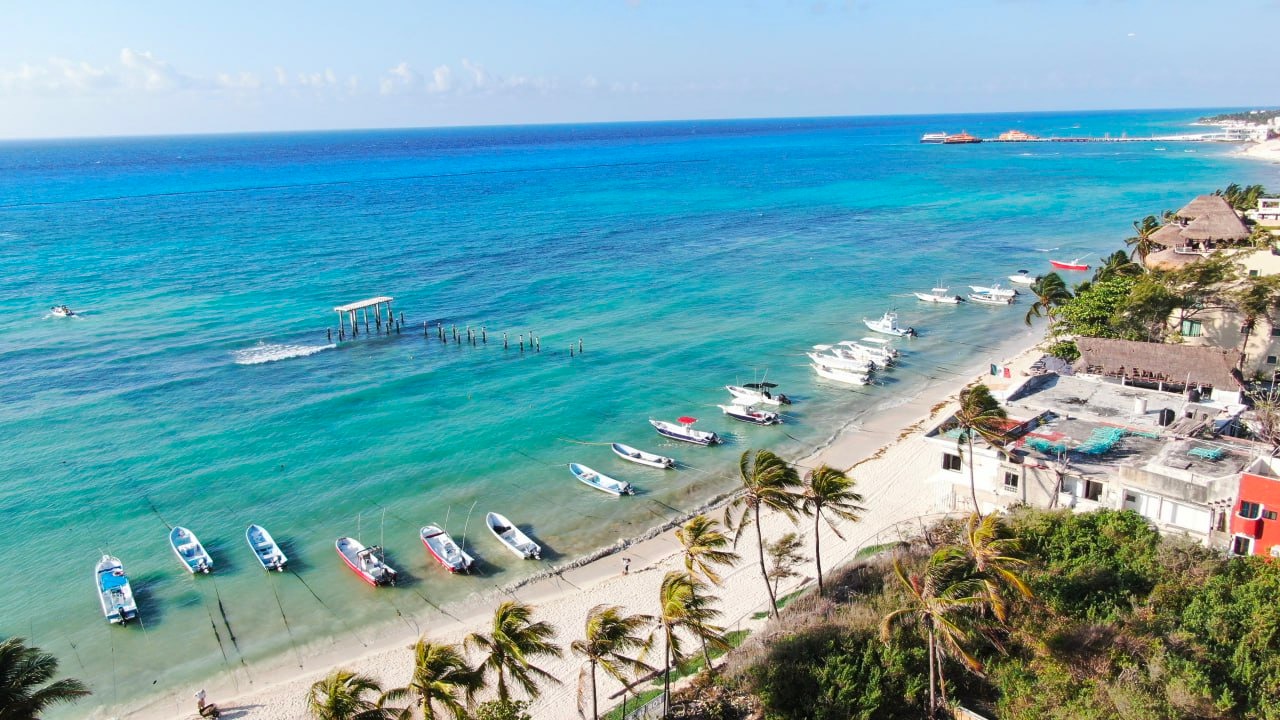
x,y
757,386
687,420
111,581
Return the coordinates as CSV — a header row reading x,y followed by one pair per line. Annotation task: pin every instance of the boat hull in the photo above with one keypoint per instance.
x,y
594,479
189,550
519,544
695,437
1078,267
459,563
640,457
760,418
355,548
266,549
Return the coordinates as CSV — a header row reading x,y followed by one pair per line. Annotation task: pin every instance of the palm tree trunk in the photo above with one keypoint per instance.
x,y
973,483
764,572
595,709
502,685
1244,345
817,548
942,678
933,701
706,656
666,677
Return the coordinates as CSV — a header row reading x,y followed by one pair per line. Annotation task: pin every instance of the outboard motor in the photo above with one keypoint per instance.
x,y
784,399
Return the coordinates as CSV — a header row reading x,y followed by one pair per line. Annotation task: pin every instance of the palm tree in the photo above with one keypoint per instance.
x,y
515,640
440,675
979,414
703,547
685,606
1141,241
23,669
766,481
1117,264
935,603
1051,292
342,695
609,639
827,488
994,556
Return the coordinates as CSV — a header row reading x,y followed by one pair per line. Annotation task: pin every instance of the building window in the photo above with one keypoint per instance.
x,y
1268,514
1271,359
1010,480
1191,328
1275,331
951,461
1241,545
1253,273
1250,510
1092,490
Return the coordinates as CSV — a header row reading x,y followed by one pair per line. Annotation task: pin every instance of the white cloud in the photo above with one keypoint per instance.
x,y
146,71
399,79
590,82
239,81
282,77
479,76
441,80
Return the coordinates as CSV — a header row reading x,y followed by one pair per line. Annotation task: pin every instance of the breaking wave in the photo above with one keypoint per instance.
x,y
271,352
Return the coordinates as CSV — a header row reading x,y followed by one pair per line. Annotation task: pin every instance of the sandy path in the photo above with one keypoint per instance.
x,y
891,469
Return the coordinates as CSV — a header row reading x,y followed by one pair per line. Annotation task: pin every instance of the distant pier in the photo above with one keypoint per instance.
x,y
364,310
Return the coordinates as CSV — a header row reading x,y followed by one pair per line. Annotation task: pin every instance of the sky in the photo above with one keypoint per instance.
x,y
75,68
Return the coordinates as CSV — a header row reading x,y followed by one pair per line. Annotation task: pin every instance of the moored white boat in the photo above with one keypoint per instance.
x,y
443,548
844,376
748,414
941,296
843,362
511,537
684,431
590,477
876,350
1024,278
994,290
758,393
62,311
888,324
989,299
366,562
114,591
189,550
626,452
269,554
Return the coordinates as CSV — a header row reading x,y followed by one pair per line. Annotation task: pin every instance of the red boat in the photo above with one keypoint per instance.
x,y
1073,265
365,562
961,138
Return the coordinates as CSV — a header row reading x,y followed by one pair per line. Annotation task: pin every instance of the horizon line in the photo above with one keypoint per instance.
x,y
745,118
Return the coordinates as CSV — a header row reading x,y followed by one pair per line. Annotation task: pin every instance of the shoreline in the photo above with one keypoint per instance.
x,y
876,444
1266,151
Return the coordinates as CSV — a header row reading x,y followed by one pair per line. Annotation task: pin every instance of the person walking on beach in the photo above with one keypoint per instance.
x,y
626,566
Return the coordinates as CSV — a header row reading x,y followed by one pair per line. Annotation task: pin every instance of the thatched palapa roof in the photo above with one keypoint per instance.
x,y
1212,218
1158,362
1168,236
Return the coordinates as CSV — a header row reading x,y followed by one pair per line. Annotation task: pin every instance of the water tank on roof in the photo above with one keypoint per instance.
x,y
1193,395
1165,418
1139,406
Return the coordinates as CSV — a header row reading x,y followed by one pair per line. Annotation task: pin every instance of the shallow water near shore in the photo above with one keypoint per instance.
x,y
198,386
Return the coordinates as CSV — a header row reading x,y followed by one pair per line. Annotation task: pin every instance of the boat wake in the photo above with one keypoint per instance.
x,y
1047,249
271,352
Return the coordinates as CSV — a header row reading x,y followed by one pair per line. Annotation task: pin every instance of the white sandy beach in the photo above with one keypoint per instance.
x,y
888,458
1268,151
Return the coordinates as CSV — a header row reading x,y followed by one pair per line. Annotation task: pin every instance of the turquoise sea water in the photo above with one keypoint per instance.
x,y
684,255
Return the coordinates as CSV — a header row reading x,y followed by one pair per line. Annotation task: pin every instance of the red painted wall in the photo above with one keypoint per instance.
x,y
1266,492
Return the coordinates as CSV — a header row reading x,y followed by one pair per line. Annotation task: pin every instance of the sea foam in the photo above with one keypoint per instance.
x,y
271,352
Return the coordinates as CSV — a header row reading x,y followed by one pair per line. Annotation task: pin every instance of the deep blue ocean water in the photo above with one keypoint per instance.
x,y
685,255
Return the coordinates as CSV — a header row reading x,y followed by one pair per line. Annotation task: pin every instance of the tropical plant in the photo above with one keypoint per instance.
x,y
937,603
1256,299
1141,241
24,669
704,548
1092,311
1050,292
767,481
830,490
443,684
994,553
503,710
784,556
979,414
610,639
1241,198
511,646
684,606
1117,264
345,695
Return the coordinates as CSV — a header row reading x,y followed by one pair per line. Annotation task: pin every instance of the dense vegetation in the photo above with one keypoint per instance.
x,y
1119,624
1249,116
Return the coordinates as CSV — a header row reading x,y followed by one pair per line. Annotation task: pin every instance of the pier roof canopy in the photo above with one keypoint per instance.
x,y
363,304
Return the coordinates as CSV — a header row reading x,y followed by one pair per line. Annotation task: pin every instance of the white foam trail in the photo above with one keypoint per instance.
x,y
271,352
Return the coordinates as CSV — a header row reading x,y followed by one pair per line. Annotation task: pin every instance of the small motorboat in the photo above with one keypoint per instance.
x,y
626,452
758,393
1024,278
994,290
62,311
889,325
365,561
445,550
989,299
684,431
839,375
114,591
265,548
941,296
748,414
1073,265
189,550
876,350
590,477
511,537
845,360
